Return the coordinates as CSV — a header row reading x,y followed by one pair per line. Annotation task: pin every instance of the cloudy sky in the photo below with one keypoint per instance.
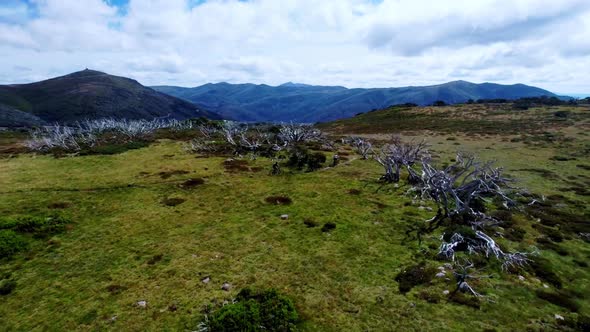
x,y
354,43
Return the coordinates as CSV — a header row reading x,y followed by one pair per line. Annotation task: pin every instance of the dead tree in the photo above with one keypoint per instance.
x,y
456,189
363,147
399,154
295,133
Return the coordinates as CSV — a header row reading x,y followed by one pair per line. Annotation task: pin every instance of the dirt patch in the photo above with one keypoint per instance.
x,y
278,200
236,165
115,289
155,259
191,183
168,174
173,201
59,205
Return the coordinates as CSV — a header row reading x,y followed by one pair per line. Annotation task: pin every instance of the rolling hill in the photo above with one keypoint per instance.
x,y
88,94
308,103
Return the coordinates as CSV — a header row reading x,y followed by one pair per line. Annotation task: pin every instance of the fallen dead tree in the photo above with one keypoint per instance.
x,y
460,191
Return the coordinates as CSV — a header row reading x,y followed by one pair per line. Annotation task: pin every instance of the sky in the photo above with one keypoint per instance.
x,y
352,43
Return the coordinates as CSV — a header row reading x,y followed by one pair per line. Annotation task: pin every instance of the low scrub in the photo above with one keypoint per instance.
x,y
413,276
11,243
255,311
39,227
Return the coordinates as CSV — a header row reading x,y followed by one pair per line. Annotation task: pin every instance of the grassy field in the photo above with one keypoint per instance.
x,y
141,232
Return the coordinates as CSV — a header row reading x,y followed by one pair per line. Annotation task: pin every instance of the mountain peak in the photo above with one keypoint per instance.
x,y
294,85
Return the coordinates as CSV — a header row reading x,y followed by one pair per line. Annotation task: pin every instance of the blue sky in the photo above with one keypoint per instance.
x,y
355,43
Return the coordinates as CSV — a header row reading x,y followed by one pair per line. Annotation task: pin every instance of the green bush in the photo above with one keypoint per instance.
x,y
413,276
301,157
255,311
11,243
38,226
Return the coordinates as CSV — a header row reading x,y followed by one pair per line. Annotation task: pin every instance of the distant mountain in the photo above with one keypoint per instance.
x,y
88,94
308,103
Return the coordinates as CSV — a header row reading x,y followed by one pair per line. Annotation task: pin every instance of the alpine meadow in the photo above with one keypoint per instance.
x,y
158,174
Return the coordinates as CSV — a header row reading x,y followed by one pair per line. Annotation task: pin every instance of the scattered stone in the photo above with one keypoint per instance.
x,y
446,292
441,275
114,318
448,266
521,278
284,216
412,304
142,304
545,286
429,209
206,280
442,268
226,286
559,317
421,208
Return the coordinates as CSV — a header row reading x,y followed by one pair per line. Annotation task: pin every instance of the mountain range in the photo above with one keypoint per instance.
x,y
91,94
309,103
88,94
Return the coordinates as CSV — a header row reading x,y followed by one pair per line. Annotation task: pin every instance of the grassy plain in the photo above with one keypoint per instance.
x,y
126,244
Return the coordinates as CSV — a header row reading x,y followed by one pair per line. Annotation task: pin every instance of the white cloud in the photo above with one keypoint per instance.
x,y
356,43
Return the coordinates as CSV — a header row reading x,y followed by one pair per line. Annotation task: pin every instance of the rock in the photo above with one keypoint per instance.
x,y
284,216
559,317
545,286
142,304
448,266
440,275
521,278
446,292
226,286
429,209
206,280
421,208
442,268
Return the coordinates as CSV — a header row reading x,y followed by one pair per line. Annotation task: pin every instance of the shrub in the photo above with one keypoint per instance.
x,y
255,311
11,243
328,227
7,286
558,298
541,268
38,226
301,157
466,300
562,114
413,276
310,222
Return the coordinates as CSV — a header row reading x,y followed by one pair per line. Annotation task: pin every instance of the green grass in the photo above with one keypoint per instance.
x,y
124,245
